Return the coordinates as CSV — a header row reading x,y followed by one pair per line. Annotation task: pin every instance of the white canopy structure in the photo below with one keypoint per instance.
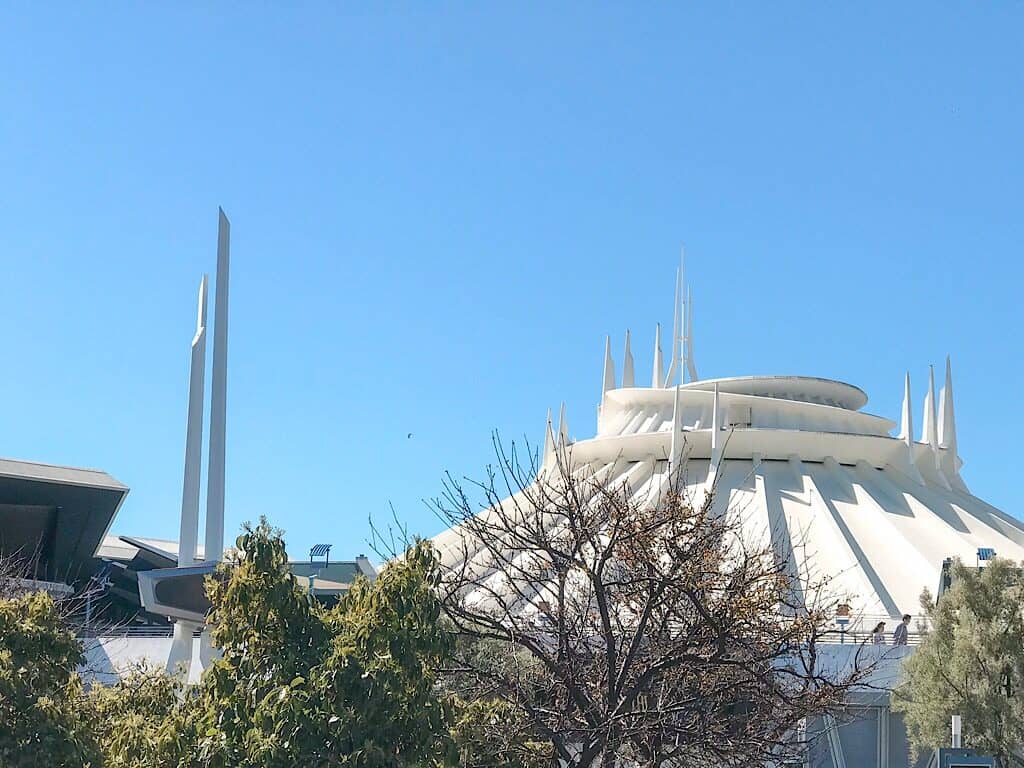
x,y
828,481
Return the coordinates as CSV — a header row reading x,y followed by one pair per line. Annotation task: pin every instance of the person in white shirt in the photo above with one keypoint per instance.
x,y
878,634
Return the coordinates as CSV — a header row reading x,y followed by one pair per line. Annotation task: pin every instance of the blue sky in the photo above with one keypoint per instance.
x,y
438,212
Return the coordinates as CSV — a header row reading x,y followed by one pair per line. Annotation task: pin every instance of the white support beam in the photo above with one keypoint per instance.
x,y
188,537
218,399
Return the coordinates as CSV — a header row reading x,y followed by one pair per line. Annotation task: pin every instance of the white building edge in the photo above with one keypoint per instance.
x,y
831,484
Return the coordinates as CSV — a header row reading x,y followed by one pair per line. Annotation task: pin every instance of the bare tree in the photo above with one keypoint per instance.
x,y
644,627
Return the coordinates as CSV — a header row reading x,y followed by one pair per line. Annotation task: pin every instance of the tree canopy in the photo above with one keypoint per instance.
x,y
300,684
40,693
970,663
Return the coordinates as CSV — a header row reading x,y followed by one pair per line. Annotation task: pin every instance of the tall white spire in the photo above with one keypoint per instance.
x,y
563,428
218,399
906,416
947,419
627,365
549,444
691,366
658,374
675,368
928,431
907,432
189,532
608,380
949,460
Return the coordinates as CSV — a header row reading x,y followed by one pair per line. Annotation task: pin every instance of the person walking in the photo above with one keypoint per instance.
x,y
899,635
878,634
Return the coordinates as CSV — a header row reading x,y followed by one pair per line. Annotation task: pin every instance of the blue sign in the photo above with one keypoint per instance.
x,y
986,553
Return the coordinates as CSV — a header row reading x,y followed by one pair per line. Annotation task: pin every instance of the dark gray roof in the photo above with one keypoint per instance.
x,y
56,515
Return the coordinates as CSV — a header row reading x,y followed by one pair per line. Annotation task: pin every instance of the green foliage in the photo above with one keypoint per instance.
x,y
302,685
971,663
135,719
297,684
489,731
41,697
379,677
252,705
492,733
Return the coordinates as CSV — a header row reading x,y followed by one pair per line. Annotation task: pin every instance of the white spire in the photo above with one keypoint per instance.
x,y
218,399
691,366
627,365
947,420
906,417
658,375
949,461
563,427
928,432
675,368
608,382
907,432
189,532
549,443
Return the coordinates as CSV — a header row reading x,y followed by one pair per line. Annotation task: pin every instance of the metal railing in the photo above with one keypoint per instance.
x,y
860,629
131,631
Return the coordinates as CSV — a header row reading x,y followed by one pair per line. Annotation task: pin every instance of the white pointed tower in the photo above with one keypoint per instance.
x,y
218,399
179,658
691,366
548,459
658,374
189,533
930,463
627,365
907,433
608,378
675,368
949,459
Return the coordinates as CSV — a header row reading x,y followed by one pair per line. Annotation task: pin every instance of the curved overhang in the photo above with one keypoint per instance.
x,y
178,593
794,411
779,444
807,389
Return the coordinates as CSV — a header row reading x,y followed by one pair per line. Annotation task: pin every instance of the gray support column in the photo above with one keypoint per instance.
x,y
883,737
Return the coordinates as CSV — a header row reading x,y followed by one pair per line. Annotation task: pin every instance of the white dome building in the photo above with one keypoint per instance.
x,y
877,513
830,482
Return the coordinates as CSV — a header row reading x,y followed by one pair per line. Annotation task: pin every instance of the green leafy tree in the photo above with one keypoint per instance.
x,y
299,684
42,716
971,663
379,679
492,733
489,731
135,719
253,703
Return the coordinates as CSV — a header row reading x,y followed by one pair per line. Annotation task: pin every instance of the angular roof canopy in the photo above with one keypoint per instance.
x,y
56,516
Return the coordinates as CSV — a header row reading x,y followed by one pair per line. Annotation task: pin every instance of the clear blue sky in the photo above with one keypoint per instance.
x,y
439,210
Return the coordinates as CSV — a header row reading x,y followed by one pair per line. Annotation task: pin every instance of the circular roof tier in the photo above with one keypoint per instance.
x,y
805,389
